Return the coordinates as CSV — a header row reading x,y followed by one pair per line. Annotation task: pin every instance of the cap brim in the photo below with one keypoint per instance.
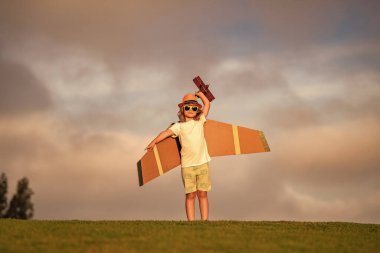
x,y
190,102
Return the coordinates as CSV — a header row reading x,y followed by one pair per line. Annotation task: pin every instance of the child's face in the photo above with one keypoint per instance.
x,y
190,113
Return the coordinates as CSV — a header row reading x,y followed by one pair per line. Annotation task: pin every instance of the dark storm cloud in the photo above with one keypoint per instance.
x,y
20,90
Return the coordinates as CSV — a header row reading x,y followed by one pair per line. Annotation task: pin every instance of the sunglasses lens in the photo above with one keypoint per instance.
x,y
194,108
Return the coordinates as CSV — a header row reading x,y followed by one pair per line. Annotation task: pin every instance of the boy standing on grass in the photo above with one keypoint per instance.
x,y
194,153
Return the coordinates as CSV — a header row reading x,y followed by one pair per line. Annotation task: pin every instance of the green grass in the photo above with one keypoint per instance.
x,y
180,236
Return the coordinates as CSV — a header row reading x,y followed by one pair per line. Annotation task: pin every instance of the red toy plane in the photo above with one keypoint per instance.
x,y
204,88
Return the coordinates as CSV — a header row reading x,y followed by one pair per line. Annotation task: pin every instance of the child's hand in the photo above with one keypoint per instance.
x,y
150,146
199,93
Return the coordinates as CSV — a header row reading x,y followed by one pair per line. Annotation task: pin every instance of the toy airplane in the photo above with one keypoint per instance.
x,y
221,138
204,88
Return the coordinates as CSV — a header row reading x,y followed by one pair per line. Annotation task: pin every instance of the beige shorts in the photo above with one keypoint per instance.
x,y
196,178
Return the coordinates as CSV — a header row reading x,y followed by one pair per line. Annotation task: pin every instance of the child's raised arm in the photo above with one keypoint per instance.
x,y
206,103
162,136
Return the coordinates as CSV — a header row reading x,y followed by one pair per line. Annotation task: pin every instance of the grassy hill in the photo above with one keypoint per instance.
x,y
181,236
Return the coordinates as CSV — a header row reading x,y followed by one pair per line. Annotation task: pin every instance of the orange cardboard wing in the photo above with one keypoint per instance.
x,y
222,139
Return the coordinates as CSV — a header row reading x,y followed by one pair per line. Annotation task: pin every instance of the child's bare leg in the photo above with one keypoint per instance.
x,y
203,204
190,206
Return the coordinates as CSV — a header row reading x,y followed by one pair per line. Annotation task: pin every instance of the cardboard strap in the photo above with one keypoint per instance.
x,y
158,160
236,139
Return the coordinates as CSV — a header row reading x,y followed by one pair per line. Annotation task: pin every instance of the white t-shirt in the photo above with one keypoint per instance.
x,y
194,148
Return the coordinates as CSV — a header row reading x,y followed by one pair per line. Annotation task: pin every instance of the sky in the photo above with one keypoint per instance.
x,y
86,85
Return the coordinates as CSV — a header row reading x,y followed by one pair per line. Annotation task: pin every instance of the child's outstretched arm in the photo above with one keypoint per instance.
x,y
163,135
206,103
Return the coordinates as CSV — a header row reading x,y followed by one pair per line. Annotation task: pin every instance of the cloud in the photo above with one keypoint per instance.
x,y
184,33
282,20
20,91
338,160
311,208
70,169
103,78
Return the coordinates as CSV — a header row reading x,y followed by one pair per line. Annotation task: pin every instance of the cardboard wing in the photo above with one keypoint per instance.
x,y
222,139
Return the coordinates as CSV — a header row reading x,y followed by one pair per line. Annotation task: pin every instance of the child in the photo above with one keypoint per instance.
x,y
194,153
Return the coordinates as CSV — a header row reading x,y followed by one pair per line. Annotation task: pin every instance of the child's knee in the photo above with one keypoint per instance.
x,y
202,194
190,195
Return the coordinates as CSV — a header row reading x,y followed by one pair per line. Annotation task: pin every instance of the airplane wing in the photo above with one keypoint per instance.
x,y
222,139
